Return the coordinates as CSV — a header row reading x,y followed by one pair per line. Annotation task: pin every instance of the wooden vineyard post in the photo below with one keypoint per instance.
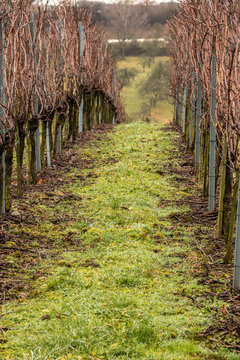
x,y
81,48
109,119
2,115
8,176
174,111
188,119
179,108
31,152
212,145
59,124
104,112
43,144
75,121
20,145
87,111
32,124
204,158
176,108
38,151
232,221
192,114
88,99
59,137
80,114
236,269
100,109
35,99
48,144
185,91
97,108
70,119
59,67
222,187
93,108
198,118
80,125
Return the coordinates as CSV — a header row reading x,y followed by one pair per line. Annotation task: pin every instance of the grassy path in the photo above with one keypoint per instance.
x,y
119,295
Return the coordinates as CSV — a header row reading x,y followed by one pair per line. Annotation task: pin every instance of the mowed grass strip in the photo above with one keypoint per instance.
x,y
119,296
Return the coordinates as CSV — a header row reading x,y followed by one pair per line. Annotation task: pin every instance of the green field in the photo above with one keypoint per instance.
x,y
132,100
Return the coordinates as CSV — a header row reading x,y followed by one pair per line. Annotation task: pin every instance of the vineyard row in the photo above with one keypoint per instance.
x,y
205,83
57,79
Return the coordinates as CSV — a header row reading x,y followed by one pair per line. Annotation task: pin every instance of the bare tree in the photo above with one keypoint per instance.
x,y
154,88
127,21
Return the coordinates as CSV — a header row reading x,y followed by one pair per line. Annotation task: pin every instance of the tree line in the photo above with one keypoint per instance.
x,y
125,20
103,13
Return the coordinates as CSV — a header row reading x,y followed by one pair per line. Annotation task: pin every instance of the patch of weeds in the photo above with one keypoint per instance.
x,y
128,280
115,203
123,301
144,333
62,280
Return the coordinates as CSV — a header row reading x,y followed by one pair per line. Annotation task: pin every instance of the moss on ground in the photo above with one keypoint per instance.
x,y
120,292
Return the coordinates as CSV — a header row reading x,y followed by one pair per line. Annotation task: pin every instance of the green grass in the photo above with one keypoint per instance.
x,y
163,112
120,295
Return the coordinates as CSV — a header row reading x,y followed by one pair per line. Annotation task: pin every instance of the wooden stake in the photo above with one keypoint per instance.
x,y
232,221
81,48
59,135
198,119
212,146
185,91
35,100
48,144
192,114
